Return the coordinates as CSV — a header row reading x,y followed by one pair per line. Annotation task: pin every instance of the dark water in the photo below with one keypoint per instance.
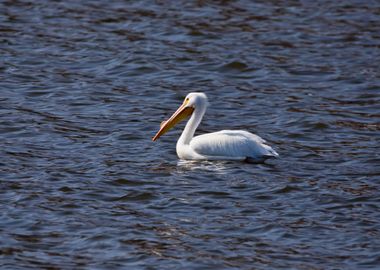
x,y
84,86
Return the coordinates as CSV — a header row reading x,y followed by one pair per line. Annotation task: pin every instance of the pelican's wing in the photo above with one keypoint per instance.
x,y
231,143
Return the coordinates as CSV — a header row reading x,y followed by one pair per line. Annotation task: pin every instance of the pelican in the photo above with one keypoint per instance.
x,y
221,145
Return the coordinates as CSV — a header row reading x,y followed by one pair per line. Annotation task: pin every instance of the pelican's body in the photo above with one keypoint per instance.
x,y
221,145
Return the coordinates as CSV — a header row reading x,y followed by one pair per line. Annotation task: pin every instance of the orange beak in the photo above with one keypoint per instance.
x,y
181,113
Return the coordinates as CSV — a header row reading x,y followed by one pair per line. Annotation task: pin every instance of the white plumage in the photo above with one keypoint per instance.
x,y
221,145
238,144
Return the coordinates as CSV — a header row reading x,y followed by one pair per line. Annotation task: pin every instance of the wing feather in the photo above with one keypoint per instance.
x,y
231,143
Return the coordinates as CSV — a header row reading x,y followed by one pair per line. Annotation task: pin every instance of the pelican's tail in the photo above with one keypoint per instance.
x,y
270,152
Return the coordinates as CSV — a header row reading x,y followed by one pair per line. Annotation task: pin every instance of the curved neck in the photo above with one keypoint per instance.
x,y
195,119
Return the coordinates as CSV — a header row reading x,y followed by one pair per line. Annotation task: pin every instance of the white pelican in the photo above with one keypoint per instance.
x,y
221,145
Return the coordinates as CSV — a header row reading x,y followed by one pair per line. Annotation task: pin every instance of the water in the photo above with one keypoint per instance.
x,y
85,84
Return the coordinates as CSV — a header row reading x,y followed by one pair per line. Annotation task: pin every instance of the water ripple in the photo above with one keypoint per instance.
x,y
85,84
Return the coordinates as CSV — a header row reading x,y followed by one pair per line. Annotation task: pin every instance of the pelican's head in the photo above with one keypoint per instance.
x,y
192,101
197,99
